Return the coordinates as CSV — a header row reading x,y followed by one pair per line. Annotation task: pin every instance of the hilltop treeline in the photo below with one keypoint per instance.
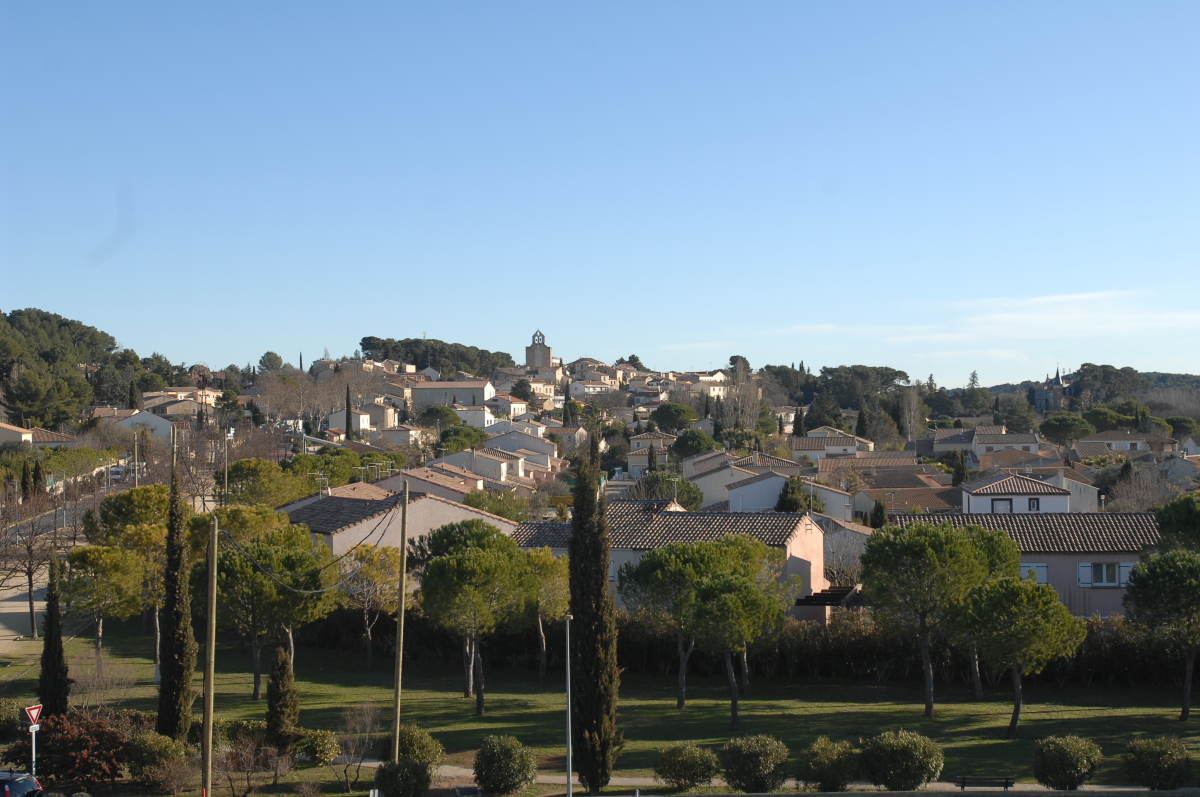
x,y
438,354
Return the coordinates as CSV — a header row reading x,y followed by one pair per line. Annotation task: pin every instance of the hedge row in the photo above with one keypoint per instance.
x,y
904,761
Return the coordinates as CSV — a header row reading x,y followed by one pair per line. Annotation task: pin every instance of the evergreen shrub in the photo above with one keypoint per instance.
x,y
755,764
901,760
1065,762
503,765
685,766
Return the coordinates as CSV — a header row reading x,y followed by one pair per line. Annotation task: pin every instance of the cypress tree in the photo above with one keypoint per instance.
x,y
349,431
798,423
26,482
707,405
651,459
596,740
283,703
879,516
177,649
39,477
54,685
135,396
860,427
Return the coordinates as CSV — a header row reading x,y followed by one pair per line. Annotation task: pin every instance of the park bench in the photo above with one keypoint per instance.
x,y
963,781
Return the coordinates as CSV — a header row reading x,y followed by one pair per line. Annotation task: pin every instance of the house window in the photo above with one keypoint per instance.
x,y
1036,569
1002,506
1024,448
1133,446
1035,505
1104,574
988,449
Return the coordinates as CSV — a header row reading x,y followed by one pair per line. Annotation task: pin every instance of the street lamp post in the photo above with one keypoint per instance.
x,y
569,618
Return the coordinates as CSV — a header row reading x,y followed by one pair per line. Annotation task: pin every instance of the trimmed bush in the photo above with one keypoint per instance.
x,y
901,760
685,766
150,751
503,765
404,778
828,765
321,747
755,764
1065,762
418,745
196,731
1157,763
247,730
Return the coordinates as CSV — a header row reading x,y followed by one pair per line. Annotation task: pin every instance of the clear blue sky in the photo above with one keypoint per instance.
x,y
938,187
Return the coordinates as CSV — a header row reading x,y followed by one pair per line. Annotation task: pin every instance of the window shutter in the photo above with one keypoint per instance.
x,y
1124,572
1037,568
1085,575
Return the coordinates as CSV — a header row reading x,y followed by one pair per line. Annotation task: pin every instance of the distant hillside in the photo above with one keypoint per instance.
x,y
1159,380
443,356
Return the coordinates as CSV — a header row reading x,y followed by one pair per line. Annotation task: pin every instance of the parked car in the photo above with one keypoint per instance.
x,y
116,473
19,784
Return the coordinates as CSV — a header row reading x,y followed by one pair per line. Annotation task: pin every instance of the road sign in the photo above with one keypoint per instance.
x,y
34,728
34,712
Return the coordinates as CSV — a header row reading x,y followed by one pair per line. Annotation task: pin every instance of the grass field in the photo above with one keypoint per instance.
x,y
796,711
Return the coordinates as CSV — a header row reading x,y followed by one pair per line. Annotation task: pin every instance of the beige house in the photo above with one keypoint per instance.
x,y
472,393
15,434
639,526
1085,557
343,523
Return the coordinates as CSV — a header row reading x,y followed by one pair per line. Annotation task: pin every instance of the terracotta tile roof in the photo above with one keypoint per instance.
x,y
362,491
1011,484
894,479
888,459
453,470
755,479
1119,436
47,436
331,514
1089,450
10,428
937,499
653,436
1065,532
819,443
761,460
989,429
441,479
643,525
1005,439
830,525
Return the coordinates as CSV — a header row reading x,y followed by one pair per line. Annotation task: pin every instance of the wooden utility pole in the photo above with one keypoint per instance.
x,y
210,658
400,625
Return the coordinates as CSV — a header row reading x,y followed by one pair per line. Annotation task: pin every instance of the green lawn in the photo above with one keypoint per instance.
x,y
796,711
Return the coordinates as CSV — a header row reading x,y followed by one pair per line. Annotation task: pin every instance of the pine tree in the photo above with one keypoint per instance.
x,y
596,741
349,431
54,685
135,396
177,650
283,703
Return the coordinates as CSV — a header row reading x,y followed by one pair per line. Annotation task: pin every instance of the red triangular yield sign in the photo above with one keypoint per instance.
x,y
34,712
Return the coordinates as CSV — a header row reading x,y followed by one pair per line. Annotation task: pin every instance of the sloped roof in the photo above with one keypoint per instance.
x,y
653,436
1117,435
1090,450
47,436
362,491
931,498
1064,532
819,443
331,514
1004,439
643,525
761,460
760,477
1012,484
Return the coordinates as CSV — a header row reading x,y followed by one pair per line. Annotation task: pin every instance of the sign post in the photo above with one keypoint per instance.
x,y
34,713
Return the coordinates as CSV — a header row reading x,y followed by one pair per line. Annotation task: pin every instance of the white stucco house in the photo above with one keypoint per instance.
x,y
1009,493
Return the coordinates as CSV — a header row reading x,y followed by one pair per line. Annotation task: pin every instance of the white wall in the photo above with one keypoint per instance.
x,y
760,496
1020,503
